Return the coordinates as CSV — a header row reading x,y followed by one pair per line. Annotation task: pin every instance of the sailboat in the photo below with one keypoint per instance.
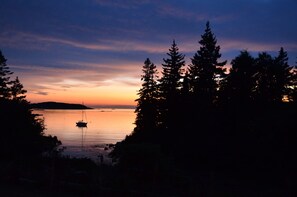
x,y
81,123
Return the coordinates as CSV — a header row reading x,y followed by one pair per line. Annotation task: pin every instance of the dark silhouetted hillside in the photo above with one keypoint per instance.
x,y
56,105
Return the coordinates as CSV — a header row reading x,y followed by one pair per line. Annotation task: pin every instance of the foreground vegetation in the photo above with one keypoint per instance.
x,y
199,131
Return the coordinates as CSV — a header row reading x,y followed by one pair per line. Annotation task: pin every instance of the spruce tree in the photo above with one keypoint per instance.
x,y
264,79
206,71
283,74
170,85
146,109
4,78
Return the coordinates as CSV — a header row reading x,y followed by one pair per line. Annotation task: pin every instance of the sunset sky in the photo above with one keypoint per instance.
x,y
92,51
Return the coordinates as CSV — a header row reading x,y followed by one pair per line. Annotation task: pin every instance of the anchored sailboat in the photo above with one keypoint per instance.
x,y
82,123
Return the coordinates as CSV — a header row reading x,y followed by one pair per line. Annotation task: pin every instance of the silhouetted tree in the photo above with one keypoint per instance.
x,y
140,150
22,141
147,108
170,86
205,71
4,78
170,82
282,76
17,90
239,84
264,79
273,77
293,92
205,75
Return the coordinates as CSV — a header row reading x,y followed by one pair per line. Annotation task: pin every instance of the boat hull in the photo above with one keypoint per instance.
x,y
81,124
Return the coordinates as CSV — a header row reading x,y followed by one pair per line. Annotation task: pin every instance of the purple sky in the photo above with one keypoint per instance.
x,y
57,45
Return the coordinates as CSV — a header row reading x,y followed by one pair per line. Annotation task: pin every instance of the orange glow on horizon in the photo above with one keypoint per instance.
x,y
106,95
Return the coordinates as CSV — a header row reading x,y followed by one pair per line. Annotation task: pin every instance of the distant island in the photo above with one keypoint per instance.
x,y
57,105
114,106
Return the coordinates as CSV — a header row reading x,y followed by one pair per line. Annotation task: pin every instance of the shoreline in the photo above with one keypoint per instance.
x,y
98,153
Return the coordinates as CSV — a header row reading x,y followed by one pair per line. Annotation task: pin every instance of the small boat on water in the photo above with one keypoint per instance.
x,y
82,123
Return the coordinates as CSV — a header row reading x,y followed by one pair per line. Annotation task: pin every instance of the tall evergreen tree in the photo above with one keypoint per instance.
x,y
205,70
264,78
146,109
283,74
170,84
4,78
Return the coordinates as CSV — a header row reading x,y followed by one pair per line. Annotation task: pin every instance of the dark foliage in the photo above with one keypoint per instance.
x,y
198,132
219,130
22,141
205,72
4,78
147,107
238,87
170,93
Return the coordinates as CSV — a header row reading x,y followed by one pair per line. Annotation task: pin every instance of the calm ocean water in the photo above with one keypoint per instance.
x,y
105,126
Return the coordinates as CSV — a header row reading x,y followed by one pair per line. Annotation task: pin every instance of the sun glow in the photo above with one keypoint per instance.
x,y
106,95
92,87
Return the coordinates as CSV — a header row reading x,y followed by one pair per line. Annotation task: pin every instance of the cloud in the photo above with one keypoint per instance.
x,y
56,47
113,66
228,44
42,80
125,4
176,12
40,42
181,12
43,93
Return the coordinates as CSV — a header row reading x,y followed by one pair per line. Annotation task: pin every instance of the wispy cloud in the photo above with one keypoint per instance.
x,y
125,4
58,47
176,12
42,93
42,80
229,44
41,42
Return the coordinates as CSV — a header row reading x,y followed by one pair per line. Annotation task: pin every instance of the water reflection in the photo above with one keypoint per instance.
x,y
83,135
104,127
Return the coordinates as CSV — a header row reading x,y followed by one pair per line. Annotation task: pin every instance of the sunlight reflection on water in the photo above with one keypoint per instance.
x,y
105,126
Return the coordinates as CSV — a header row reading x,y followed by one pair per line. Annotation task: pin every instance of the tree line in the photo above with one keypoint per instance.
x,y
240,120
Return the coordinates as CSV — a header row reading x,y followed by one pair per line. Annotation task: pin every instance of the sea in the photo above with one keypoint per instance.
x,y
105,127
